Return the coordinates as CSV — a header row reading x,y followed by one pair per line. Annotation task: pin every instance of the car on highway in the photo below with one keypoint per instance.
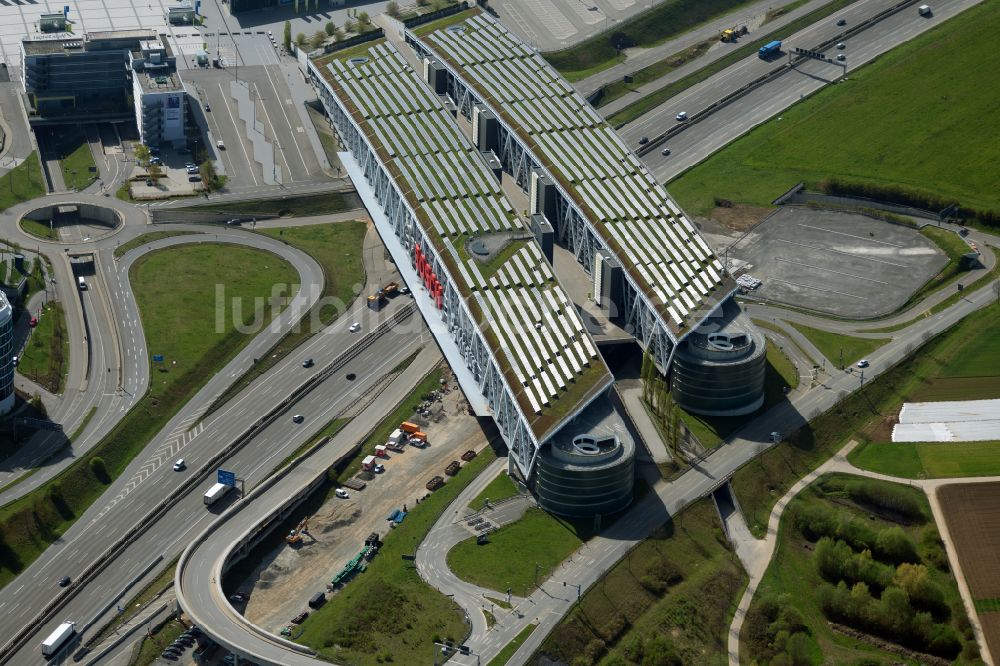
x,y
235,220
643,141
665,152
180,465
298,418
841,46
863,363
238,597
841,57
355,327
220,144
341,493
682,116
33,322
308,363
842,22
65,581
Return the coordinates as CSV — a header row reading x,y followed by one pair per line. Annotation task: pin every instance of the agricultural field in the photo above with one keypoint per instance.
x,y
928,460
669,601
859,576
976,535
844,131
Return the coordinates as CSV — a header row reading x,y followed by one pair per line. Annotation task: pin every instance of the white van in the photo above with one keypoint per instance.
x,y
81,283
220,145
924,10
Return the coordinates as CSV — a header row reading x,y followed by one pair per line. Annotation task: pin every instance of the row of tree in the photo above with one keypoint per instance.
x,y
890,544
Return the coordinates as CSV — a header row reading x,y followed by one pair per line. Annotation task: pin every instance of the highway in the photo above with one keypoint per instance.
x,y
701,139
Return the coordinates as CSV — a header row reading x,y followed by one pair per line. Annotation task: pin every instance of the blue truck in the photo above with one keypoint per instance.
x,y
770,49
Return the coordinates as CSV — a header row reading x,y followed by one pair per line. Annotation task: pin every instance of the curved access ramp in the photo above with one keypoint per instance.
x,y
198,581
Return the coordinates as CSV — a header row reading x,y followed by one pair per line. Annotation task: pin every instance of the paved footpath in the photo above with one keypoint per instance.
x,y
839,464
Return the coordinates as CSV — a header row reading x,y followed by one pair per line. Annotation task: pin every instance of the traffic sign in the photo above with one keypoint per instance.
x,y
158,358
227,478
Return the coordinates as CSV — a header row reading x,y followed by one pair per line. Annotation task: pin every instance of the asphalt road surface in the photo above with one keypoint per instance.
x,y
705,137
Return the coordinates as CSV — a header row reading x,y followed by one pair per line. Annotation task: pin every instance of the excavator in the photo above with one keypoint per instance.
x,y
295,536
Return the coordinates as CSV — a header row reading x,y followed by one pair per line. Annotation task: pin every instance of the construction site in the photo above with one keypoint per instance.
x,y
329,547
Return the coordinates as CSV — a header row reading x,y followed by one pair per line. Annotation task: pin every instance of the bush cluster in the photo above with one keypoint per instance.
x,y
777,633
892,616
890,544
887,497
906,197
836,561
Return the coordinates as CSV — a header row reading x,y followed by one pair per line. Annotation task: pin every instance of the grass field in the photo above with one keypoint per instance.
x,y
954,247
844,130
338,249
39,229
669,601
76,158
655,26
499,488
866,415
794,580
142,239
45,359
518,556
650,73
291,206
388,614
837,346
22,183
175,291
153,646
713,430
928,460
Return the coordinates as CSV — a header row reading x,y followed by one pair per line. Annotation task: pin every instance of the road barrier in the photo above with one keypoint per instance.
x,y
112,552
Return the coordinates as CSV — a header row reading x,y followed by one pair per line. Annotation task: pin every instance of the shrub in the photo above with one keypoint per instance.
x,y
659,651
99,471
893,545
330,28
887,497
925,594
836,561
392,9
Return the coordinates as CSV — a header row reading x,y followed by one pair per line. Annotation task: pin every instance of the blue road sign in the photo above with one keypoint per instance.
x,y
227,478
158,358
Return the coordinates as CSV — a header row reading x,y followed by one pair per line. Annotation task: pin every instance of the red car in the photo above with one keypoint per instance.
x,y
33,322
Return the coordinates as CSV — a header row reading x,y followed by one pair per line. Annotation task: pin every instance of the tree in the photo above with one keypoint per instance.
x,y
330,28
317,39
647,360
142,154
392,9
364,19
300,39
99,470
349,26
287,40
154,170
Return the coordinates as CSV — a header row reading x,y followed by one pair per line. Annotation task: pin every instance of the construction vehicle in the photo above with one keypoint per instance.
x,y
295,536
452,468
468,455
408,427
733,34
390,290
376,301
435,483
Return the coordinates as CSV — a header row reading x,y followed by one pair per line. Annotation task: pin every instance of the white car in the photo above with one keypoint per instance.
x,y
681,116
180,465
355,327
298,418
863,363
341,493
378,469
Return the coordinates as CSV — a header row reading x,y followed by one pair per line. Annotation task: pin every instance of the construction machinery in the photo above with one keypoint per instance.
x,y
295,536
733,34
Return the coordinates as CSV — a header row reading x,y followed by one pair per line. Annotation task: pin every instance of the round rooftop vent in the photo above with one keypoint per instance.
x,y
720,341
478,247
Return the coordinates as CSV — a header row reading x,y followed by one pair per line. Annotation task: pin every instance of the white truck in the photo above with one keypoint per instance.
x,y
215,493
58,638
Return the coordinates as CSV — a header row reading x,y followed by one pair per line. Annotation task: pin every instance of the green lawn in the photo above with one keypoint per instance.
x,y
794,585
22,183
712,430
652,72
954,247
747,48
142,239
508,651
499,488
655,26
153,646
338,248
518,555
388,614
868,414
45,359
844,131
39,229
837,346
76,158
669,601
289,206
175,290
922,460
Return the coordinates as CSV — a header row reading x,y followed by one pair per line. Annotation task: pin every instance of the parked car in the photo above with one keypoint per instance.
x,y
341,493
194,178
149,182
378,469
180,465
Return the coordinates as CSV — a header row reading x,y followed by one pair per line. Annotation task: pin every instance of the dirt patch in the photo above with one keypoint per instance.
x,y
289,575
972,513
739,217
991,631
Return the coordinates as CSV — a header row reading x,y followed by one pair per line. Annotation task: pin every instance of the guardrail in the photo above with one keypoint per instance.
x,y
259,529
141,526
726,100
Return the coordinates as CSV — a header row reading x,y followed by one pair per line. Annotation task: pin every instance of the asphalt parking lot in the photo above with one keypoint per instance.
x,y
279,151
841,264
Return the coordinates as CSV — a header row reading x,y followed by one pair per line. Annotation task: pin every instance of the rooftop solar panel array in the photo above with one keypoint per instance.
x,y
539,334
616,192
